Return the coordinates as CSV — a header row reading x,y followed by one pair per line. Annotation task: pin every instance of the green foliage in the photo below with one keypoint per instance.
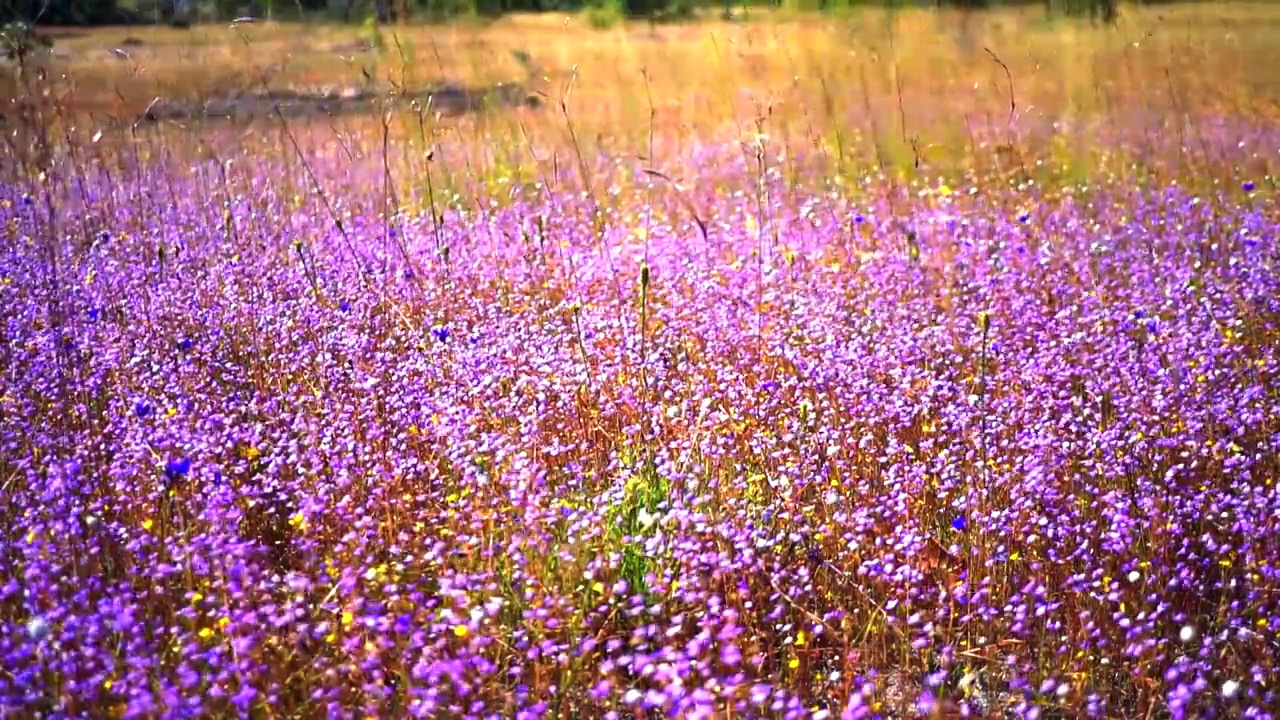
x,y
441,10
19,39
373,33
64,12
1105,10
604,14
635,518
600,14
659,9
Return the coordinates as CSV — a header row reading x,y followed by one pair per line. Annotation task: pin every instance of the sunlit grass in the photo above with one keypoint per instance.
x,y
797,367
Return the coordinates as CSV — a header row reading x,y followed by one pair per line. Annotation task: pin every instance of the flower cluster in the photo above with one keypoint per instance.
x,y
733,448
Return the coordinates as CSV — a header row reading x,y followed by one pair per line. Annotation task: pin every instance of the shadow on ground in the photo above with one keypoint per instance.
x,y
447,99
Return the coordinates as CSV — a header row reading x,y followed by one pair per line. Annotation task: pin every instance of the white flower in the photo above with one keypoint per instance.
x,y
1230,688
1134,575
1187,634
646,518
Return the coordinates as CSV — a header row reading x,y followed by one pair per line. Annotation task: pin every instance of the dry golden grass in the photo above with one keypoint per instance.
x,y
696,70
913,89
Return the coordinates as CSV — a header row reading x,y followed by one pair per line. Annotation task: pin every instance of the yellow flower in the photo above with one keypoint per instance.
x,y
793,663
146,524
800,638
598,587
347,618
223,622
460,630
206,633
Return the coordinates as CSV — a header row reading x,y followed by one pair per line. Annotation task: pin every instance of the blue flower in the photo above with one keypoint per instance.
x,y
142,409
1249,186
859,219
441,334
959,524
94,313
185,344
1139,313
1152,326
27,200
344,306
769,386
177,469
1024,217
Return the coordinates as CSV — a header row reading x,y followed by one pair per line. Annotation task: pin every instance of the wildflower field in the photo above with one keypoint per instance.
x,y
794,367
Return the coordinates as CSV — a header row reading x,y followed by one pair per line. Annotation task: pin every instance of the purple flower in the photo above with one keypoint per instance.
x,y
730,655
926,703
244,698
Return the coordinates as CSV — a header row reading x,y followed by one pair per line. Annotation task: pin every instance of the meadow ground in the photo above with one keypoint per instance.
x,y
798,367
